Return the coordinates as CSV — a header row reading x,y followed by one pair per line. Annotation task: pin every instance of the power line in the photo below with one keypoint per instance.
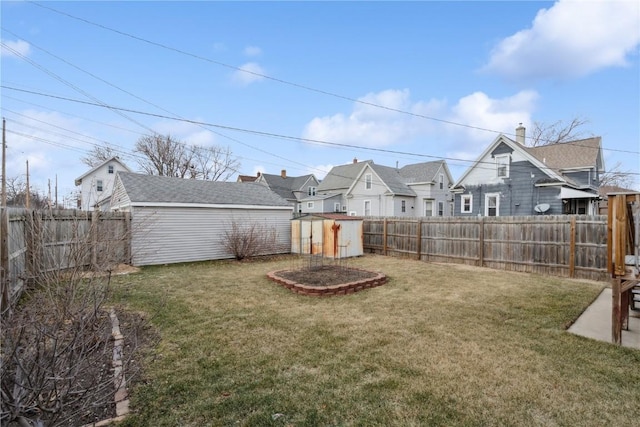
x,y
267,77
270,134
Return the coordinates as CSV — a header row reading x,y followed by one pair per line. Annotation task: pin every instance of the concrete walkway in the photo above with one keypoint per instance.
x,y
595,322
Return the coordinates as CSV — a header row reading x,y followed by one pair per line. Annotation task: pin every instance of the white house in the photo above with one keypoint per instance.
x,y
97,184
368,189
184,220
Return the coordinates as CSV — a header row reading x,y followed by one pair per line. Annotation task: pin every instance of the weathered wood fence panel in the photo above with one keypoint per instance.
x,y
40,242
560,245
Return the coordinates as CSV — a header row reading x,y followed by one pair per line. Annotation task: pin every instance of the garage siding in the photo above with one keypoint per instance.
x,y
165,235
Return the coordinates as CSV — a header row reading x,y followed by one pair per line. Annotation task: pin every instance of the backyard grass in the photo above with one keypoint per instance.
x,y
437,345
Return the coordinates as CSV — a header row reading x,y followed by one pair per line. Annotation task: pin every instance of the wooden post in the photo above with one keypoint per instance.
x,y
616,310
610,208
481,243
128,238
572,247
5,299
419,242
384,237
95,220
619,234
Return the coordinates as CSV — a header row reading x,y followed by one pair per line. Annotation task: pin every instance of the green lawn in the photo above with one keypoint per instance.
x,y
437,345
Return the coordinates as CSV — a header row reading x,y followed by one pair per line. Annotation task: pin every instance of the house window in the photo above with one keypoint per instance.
x,y
99,185
502,166
492,205
466,203
336,207
367,181
309,205
403,206
110,169
428,208
441,181
440,208
367,208
311,191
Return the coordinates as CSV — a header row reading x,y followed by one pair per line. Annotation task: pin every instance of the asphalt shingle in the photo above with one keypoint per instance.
x,y
162,189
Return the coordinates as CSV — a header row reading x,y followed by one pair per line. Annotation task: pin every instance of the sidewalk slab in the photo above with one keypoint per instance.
x,y
595,322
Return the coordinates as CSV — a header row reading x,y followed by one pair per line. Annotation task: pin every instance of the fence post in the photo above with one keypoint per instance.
x,y
419,243
572,247
95,219
384,237
481,243
4,260
127,237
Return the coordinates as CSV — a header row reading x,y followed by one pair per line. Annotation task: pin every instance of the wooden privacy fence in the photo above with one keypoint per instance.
x,y
559,245
38,242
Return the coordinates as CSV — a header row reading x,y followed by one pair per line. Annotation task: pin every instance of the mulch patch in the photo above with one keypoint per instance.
x,y
326,275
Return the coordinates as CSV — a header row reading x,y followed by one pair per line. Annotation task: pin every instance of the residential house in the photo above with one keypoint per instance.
x,y
97,183
184,220
367,189
511,179
291,188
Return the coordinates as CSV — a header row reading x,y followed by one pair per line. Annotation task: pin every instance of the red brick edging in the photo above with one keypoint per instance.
x,y
326,291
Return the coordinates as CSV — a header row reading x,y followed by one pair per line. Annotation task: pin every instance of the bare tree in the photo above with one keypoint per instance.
x,y
616,177
17,195
545,134
98,155
213,163
167,156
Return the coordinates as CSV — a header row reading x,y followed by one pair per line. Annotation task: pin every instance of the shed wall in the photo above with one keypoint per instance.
x,y
165,235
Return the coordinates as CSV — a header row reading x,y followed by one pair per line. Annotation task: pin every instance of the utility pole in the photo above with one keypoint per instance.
x,y
4,164
56,192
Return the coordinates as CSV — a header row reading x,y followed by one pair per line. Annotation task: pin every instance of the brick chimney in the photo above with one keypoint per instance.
x,y
520,134
258,174
283,173
355,160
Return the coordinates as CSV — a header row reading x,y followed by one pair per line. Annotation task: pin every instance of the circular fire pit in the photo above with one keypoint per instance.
x,y
327,280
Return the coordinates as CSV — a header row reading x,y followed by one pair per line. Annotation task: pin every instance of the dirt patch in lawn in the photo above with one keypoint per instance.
x,y
326,275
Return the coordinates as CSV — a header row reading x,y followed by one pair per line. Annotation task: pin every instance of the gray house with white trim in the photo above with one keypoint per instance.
x,y
510,179
184,220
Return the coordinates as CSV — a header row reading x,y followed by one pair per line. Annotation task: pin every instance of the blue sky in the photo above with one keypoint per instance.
x,y
317,71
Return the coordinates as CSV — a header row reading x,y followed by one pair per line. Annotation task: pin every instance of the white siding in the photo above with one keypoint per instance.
x,y
164,235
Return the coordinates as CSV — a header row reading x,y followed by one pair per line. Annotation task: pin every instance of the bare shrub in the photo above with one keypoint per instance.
x,y
251,239
56,346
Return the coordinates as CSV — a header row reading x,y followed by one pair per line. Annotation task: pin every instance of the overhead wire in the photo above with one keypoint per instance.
x,y
270,134
266,134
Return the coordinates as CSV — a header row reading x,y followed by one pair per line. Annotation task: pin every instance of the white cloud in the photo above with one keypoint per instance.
x,y
371,126
15,48
457,125
570,39
249,73
252,51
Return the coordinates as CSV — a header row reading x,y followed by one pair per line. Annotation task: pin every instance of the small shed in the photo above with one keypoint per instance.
x,y
329,235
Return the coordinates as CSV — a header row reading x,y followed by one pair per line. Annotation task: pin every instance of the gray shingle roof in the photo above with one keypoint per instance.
x,y
162,189
286,186
421,172
566,155
392,178
341,177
